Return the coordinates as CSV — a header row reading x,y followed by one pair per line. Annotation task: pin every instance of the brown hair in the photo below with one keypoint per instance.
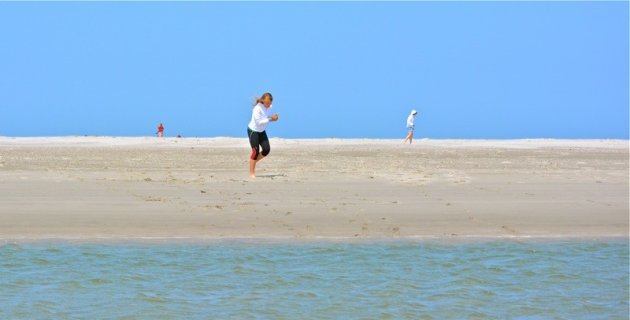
x,y
258,100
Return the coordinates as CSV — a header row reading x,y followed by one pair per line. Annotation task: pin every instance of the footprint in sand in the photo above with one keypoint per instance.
x,y
508,229
152,198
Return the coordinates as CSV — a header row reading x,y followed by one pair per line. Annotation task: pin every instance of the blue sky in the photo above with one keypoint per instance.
x,y
472,69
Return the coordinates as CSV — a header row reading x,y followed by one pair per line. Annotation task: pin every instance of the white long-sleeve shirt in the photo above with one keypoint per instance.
x,y
410,120
260,118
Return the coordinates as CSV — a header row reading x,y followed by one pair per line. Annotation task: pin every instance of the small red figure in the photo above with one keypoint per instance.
x,y
160,132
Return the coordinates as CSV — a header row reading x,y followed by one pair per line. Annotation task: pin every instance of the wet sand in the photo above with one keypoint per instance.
x,y
110,188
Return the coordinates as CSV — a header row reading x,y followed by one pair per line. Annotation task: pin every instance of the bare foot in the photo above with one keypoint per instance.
x,y
251,175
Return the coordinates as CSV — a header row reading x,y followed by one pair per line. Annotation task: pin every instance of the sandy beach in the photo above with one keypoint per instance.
x,y
149,188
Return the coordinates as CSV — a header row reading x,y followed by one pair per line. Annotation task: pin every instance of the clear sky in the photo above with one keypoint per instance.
x,y
472,69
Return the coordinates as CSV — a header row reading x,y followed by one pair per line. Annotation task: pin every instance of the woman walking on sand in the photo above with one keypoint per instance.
x,y
160,132
410,126
261,116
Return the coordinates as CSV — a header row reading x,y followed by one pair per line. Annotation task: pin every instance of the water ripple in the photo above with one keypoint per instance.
x,y
390,280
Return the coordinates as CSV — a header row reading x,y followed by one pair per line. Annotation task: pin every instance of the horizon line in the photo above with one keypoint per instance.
x,y
302,138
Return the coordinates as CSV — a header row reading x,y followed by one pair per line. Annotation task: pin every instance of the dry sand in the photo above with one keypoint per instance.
x,y
104,188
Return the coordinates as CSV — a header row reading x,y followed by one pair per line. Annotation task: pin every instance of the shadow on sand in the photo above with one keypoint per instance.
x,y
271,176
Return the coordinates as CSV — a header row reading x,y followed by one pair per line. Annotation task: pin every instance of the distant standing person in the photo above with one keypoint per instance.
x,y
261,116
160,132
411,126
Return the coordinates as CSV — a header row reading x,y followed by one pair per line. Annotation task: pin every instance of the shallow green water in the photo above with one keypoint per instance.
x,y
398,280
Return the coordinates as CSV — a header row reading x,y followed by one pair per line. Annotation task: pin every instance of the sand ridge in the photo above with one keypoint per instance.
x,y
112,187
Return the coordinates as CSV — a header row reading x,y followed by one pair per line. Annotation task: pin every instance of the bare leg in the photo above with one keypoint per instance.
x,y
252,168
408,137
252,165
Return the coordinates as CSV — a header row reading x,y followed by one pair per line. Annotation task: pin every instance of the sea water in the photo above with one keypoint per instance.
x,y
502,279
